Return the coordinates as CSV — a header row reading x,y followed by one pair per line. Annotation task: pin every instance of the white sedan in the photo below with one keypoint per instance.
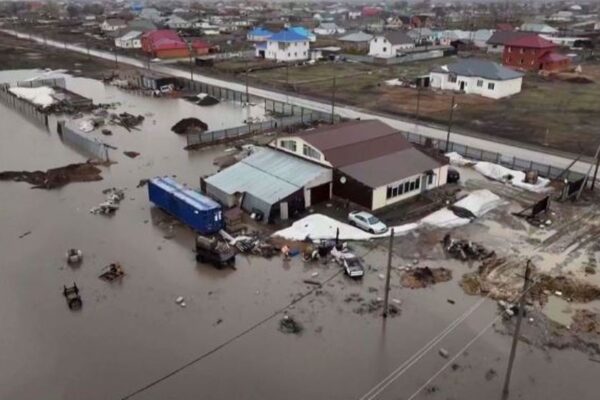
x,y
367,222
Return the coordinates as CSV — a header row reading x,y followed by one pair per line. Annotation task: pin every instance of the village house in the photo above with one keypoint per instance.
x,y
113,25
259,34
167,44
480,77
130,40
177,22
390,44
538,28
496,43
285,45
329,29
533,53
372,164
300,30
358,41
421,35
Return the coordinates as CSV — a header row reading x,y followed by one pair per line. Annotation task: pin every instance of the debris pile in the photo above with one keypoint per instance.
x,y
114,197
74,256
131,154
112,272
422,277
586,321
55,177
499,278
289,325
465,249
72,296
126,120
206,100
189,125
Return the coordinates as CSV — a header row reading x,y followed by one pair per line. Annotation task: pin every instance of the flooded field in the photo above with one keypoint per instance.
x,y
226,343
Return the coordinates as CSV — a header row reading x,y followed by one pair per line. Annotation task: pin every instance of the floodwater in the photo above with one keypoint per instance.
x,y
130,334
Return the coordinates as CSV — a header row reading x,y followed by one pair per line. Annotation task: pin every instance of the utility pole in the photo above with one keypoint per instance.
x,y
191,67
595,172
116,60
513,348
418,101
247,84
387,276
333,101
452,106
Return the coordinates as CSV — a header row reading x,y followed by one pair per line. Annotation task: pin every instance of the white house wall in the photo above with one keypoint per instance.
x,y
288,51
501,88
380,47
380,199
299,149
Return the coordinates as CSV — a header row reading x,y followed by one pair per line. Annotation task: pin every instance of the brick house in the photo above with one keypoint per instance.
x,y
533,53
167,44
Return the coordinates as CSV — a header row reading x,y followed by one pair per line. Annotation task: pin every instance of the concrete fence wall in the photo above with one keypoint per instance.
x,y
25,108
52,82
474,153
77,139
216,91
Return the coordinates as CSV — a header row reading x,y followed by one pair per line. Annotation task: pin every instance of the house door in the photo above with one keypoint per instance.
x,y
462,86
319,193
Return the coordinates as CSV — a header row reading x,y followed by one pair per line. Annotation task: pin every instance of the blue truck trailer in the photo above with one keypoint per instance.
x,y
201,213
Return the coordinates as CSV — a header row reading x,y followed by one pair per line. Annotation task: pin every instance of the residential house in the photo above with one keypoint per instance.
x,y
539,28
480,77
141,25
166,43
285,45
356,41
177,22
495,44
130,40
372,164
533,53
421,35
151,14
329,29
113,25
258,35
300,30
390,44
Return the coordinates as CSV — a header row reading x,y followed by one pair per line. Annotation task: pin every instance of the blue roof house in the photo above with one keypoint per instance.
x,y
287,45
300,30
259,35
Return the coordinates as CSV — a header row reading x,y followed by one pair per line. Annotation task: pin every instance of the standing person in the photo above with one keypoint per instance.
x,y
285,250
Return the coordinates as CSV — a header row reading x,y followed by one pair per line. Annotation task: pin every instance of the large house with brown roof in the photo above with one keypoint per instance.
x,y
534,53
373,164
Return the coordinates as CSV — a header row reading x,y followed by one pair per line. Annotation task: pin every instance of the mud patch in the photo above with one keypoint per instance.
x,y
189,125
290,326
55,177
422,277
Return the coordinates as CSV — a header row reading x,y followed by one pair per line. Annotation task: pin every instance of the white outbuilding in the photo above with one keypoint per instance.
x,y
130,40
481,77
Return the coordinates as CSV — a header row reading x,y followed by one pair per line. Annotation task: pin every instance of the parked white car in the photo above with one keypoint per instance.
x,y
367,222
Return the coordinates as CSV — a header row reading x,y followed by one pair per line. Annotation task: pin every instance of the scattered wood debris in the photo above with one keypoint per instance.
x,y
55,177
422,277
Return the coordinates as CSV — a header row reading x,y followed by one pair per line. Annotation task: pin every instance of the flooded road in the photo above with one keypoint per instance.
x,y
130,334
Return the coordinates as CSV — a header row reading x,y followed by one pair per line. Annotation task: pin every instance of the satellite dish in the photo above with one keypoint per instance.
x,y
343,179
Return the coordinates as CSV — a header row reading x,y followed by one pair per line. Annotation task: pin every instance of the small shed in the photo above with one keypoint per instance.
x,y
271,182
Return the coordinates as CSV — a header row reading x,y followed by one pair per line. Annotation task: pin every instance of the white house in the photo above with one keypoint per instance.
x,y
329,29
113,25
388,45
481,77
130,40
286,45
539,28
176,22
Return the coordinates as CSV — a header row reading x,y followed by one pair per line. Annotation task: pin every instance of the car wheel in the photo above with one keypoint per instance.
x,y
352,223
371,230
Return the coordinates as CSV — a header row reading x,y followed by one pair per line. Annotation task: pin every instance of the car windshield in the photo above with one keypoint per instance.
x,y
373,220
353,262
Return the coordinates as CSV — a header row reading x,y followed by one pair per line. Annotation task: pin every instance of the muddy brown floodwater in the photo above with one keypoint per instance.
x,y
132,332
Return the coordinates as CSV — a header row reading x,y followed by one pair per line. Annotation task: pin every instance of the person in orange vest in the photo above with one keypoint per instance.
x,y
285,250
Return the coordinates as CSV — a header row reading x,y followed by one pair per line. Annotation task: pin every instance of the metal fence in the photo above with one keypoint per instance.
x,y
52,82
474,153
25,108
216,91
75,137
210,137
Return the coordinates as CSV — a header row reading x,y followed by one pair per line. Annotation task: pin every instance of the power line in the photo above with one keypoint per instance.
x,y
224,344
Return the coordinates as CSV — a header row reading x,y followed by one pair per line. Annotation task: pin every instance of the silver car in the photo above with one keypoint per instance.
x,y
367,222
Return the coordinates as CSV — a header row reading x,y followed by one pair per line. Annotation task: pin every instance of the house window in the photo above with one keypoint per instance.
x,y
384,49
417,182
452,78
406,187
310,152
521,50
491,86
288,144
510,49
479,84
430,179
521,61
388,194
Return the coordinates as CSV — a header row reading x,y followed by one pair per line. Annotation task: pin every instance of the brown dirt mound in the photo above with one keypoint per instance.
x,y
189,125
55,177
421,277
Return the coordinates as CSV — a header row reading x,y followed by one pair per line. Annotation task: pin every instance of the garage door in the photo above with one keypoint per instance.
x,y
319,193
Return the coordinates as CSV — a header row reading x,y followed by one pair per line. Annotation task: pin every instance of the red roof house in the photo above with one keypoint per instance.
x,y
166,43
533,53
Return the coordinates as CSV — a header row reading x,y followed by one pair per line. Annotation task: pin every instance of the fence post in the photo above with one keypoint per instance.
x,y
514,162
530,165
